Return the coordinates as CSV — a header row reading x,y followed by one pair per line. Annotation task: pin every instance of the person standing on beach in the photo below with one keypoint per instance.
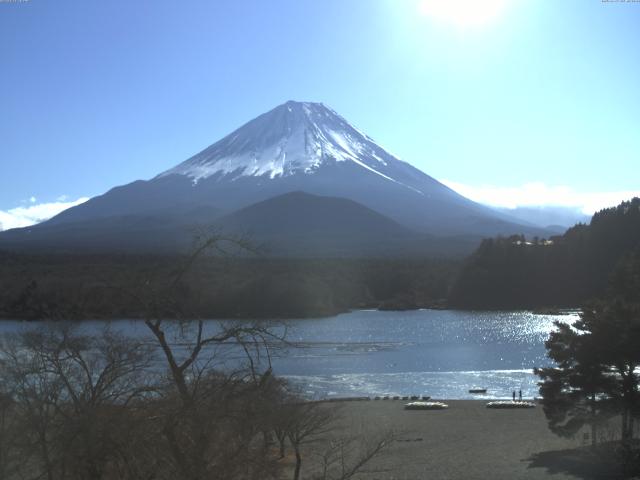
x,y
514,395
520,395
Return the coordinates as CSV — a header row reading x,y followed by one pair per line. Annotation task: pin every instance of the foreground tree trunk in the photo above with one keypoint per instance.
x,y
281,436
296,473
593,421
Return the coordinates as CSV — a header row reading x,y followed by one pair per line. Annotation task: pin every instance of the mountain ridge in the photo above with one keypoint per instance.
x,y
297,146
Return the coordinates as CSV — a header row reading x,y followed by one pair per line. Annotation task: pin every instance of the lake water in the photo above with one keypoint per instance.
x,y
441,353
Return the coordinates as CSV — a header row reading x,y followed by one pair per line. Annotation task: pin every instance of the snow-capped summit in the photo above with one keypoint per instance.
x,y
295,137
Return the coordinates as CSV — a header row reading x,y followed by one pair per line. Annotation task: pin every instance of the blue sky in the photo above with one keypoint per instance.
x,y
508,102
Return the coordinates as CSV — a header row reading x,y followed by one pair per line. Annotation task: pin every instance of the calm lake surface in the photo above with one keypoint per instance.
x,y
441,353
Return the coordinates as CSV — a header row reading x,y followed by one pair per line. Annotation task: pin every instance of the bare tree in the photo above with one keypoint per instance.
x,y
306,423
7,434
345,457
217,372
70,394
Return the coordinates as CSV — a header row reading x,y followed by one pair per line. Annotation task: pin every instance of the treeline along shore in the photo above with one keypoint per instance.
x,y
503,273
111,286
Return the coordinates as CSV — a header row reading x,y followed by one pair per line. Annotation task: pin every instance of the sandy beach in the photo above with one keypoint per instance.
x,y
470,441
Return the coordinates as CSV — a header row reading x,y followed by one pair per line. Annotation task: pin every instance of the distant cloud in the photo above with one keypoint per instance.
x,y
540,194
35,213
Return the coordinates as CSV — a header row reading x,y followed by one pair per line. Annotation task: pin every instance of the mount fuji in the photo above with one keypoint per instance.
x,y
298,147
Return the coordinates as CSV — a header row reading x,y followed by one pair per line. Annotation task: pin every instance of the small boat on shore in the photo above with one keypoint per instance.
x,y
477,390
510,404
425,406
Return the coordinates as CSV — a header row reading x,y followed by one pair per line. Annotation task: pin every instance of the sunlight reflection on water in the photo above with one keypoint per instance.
x,y
441,353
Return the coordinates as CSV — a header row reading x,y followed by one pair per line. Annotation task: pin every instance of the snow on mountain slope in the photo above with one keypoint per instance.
x,y
293,138
296,147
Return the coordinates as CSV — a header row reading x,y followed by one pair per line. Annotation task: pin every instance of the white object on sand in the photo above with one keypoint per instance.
x,y
510,404
425,406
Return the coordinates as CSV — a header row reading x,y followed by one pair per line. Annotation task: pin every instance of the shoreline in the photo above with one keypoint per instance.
x,y
468,441
401,400
560,311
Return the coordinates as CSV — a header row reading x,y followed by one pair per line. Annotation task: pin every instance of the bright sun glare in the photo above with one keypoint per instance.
x,y
463,13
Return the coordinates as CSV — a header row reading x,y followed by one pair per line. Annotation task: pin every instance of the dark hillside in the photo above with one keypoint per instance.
x,y
510,272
